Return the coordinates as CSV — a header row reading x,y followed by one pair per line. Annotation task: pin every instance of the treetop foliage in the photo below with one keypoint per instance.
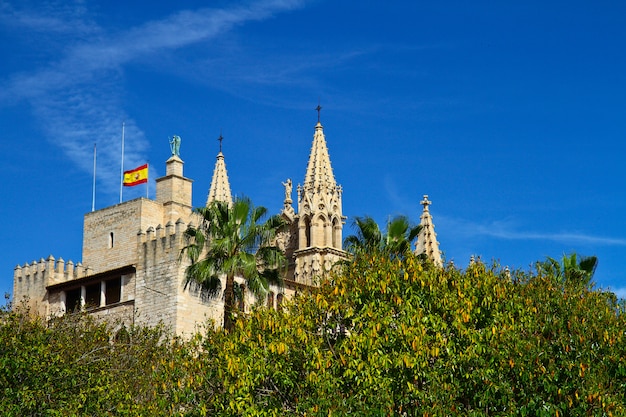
x,y
381,336
395,240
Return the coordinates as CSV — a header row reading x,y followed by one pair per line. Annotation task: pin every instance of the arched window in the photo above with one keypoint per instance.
x,y
270,299
111,241
320,231
336,234
279,301
307,230
122,335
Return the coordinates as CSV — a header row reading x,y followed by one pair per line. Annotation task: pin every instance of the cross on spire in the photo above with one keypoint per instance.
x,y
221,138
319,109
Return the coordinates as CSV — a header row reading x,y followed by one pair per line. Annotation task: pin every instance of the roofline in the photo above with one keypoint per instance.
x,y
76,282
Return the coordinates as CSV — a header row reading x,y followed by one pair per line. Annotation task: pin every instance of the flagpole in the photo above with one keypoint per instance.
x,y
122,164
93,193
148,181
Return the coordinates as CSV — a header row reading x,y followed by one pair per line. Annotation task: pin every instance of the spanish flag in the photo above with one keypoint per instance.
x,y
136,176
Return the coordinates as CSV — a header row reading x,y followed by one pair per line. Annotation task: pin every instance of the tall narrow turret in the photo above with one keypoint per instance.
x,y
320,218
220,187
427,238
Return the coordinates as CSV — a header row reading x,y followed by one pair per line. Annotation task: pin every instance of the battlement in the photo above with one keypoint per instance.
x,y
171,233
49,272
31,280
161,244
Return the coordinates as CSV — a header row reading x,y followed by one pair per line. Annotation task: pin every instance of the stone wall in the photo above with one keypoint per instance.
x,y
161,293
110,234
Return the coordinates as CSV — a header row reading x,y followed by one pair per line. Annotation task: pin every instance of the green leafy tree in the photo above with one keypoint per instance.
x,y
571,269
395,241
77,366
427,341
383,336
233,240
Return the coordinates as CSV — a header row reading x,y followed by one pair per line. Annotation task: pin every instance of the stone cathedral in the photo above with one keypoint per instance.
x,y
132,270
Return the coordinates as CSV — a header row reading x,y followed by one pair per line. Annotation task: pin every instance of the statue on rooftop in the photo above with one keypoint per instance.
x,y
288,189
175,145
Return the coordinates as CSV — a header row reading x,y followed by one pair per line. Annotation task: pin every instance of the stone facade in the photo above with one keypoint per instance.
x,y
135,273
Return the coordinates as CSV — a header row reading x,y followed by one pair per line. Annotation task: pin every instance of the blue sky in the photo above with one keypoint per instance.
x,y
510,116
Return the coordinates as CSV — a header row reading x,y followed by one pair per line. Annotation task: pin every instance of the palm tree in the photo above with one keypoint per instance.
x,y
571,269
230,241
400,235
368,236
395,241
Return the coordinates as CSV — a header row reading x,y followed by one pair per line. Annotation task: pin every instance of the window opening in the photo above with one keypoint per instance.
x,y
307,229
113,290
92,295
72,300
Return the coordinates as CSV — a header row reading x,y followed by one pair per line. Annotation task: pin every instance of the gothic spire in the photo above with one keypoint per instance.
x,y
319,173
427,238
220,187
319,220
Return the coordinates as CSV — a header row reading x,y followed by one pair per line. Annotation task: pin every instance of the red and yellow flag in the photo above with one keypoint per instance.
x,y
136,176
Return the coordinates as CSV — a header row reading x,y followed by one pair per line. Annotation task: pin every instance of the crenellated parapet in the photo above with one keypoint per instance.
x,y
49,271
31,279
160,243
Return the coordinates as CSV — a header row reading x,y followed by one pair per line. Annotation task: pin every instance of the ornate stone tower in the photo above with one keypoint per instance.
x,y
427,238
316,231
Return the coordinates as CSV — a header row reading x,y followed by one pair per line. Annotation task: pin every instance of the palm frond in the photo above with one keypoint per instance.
x,y
233,241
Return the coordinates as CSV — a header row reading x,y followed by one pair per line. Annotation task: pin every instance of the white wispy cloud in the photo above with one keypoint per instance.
x,y
508,230
74,97
68,17
85,60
